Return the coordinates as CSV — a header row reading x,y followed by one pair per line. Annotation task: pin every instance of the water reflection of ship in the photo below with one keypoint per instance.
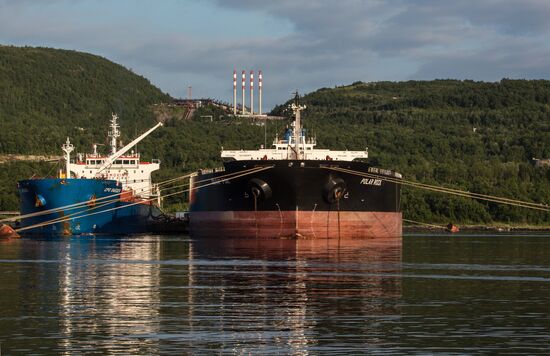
x,y
294,294
148,295
108,291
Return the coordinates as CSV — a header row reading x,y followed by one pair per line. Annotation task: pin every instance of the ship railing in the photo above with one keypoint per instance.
x,y
99,155
211,170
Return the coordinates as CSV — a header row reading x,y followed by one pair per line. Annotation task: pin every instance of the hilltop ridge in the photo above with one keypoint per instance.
x,y
47,94
474,136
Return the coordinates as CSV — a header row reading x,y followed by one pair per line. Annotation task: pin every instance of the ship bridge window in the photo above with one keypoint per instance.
x,y
126,161
118,161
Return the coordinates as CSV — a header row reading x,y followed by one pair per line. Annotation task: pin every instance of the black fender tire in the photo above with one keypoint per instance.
x,y
334,189
260,189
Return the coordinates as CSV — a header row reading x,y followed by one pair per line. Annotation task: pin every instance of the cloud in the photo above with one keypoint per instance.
x,y
324,43
518,60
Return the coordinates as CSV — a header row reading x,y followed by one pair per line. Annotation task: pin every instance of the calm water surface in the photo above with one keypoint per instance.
x,y
456,294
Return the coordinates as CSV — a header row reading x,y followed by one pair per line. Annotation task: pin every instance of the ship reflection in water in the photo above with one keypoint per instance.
x,y
175,295
292,296
160,294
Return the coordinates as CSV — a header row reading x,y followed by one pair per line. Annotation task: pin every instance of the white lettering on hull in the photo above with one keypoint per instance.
x,y
371,181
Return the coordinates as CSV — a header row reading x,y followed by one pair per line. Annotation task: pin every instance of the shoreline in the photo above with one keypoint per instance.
x,y
473,228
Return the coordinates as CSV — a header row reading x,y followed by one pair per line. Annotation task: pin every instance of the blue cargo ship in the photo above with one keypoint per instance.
x,y
111,194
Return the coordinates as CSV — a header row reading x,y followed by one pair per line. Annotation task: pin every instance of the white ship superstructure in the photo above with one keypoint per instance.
x,y
123,165
294,146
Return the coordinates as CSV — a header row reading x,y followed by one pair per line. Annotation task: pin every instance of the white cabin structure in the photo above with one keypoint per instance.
x,y
120,165
294,146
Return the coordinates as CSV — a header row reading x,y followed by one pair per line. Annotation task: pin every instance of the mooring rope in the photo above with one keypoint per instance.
x,y
104,201
113,197
451,191
424,224
218,180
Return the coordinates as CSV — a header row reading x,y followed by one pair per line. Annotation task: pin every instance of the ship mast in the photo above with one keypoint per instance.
x,y
67,148
109,160
296,108
114,134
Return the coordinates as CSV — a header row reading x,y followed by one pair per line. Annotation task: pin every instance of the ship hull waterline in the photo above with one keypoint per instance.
x,y
296,224
82,207
297,206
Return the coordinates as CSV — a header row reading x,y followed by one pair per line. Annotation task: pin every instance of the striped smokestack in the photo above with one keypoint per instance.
x,y
251,92
260,92
244,87
234,92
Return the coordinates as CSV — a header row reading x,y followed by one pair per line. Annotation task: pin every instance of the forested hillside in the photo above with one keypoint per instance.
x,y
468,135
47,94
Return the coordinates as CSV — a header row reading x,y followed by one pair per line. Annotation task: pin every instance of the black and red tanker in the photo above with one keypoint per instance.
x,y
296,191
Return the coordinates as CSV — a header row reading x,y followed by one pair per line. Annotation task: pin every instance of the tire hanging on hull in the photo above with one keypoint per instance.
x,y
260,189
334,189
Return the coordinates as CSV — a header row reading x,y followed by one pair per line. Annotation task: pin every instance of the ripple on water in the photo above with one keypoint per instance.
x,y
151,294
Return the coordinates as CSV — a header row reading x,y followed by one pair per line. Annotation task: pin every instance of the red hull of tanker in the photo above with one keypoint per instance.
x,y
297,224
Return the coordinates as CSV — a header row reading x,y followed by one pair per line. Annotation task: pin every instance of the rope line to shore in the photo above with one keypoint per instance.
x,y
451,191
110,199
424,224
218,180
113,197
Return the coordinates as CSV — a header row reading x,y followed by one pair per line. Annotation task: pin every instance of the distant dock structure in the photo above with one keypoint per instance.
x,y
237,109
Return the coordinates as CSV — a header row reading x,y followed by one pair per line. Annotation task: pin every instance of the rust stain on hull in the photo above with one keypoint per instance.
x,y
296,224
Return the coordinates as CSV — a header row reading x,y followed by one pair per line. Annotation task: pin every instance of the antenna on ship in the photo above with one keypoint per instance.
x,y
296,108
67,148
114,133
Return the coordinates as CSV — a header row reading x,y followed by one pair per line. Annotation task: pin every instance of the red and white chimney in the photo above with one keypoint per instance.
x,y
260,92
234,92
251,92
244,87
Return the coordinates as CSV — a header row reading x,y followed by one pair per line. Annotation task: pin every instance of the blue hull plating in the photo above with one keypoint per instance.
x,y
103,212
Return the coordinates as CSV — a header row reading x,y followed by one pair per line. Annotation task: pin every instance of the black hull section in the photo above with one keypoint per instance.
x,y
296,186
295,199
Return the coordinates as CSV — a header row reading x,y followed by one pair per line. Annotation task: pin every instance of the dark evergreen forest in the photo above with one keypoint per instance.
x,y
474,136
